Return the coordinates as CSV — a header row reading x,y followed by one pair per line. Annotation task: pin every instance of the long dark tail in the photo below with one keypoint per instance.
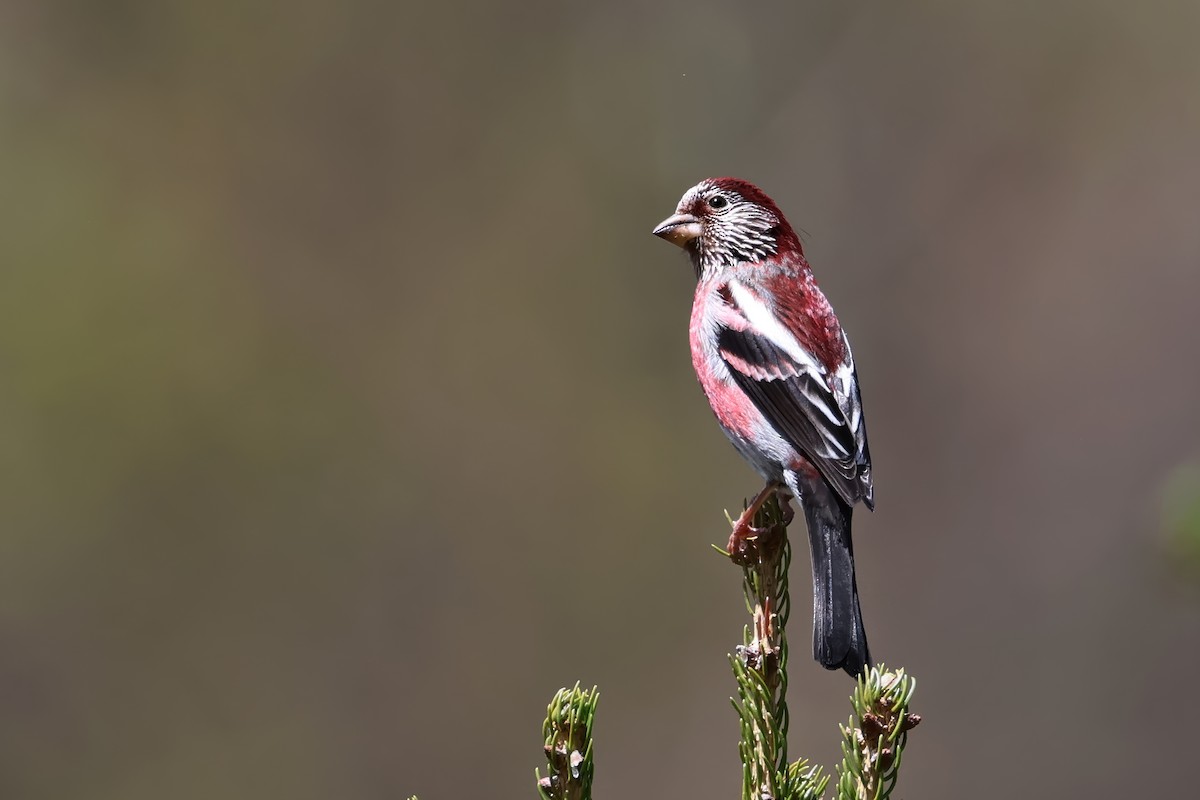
x,y
839,640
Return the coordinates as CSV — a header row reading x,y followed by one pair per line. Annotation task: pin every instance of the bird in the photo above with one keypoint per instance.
x,y
777,369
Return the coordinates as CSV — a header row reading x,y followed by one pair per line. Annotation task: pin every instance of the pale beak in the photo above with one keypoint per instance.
x,y
679,229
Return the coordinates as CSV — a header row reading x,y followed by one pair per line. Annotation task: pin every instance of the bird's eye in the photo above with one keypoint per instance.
x,y
717,201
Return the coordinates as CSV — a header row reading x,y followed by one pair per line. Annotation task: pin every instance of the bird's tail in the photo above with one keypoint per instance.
x,y
839,640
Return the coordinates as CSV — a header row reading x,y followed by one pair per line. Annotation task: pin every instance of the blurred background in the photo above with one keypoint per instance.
x,y
347,411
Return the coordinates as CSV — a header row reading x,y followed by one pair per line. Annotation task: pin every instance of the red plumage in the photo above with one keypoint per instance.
x,y
778,372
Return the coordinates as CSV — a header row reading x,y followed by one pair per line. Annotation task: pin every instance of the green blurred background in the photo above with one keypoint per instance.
x,y
347,412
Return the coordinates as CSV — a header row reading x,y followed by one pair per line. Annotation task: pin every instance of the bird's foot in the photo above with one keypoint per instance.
x,y
745,533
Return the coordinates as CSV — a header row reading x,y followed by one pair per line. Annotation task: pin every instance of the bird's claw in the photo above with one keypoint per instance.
x,y
743,540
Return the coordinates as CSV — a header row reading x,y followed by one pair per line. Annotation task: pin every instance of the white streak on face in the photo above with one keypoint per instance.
x,y
738,232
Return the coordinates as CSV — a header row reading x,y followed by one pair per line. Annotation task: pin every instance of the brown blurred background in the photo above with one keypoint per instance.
x,y
347,412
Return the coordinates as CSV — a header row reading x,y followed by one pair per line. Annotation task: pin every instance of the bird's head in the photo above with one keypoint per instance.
x,y
725,221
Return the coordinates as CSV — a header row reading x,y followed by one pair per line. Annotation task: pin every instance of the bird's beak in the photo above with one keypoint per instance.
x,y
679,229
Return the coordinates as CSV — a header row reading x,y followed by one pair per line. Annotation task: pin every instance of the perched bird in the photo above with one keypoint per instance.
x,y
777,370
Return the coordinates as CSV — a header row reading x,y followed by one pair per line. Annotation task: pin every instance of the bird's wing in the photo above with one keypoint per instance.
x,y
793,361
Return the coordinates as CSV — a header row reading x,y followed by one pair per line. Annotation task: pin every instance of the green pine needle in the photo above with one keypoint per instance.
x,y
874,739
568,745
872,742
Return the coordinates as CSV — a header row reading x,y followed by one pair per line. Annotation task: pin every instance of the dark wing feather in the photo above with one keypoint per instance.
x,y
798,401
